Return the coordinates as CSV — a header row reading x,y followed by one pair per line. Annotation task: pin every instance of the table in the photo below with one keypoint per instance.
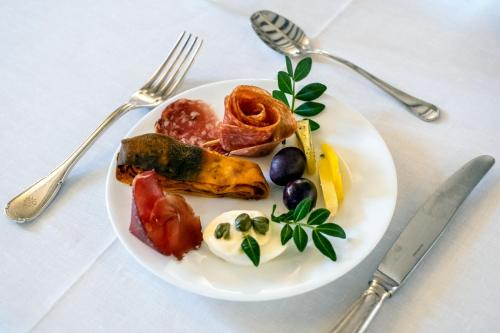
x,y
65,65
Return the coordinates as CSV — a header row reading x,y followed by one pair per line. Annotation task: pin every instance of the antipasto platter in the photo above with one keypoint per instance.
x,y
212,205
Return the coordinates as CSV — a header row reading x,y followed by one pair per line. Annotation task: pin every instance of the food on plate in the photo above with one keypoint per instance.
x,y
260,224
303,216
189,169
163,221
222,231
298,190
333,161
288,164
243,222
288,84
304,138
189,121
188,154
327,186
225,240
254,122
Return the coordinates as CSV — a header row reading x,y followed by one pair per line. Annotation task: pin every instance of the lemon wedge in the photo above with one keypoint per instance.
x,y
333,161
328,187
304,137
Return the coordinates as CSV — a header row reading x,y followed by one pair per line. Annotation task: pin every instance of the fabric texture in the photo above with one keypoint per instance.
x,y
66,65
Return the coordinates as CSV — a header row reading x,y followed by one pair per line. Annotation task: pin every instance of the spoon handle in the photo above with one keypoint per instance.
x,y
422,109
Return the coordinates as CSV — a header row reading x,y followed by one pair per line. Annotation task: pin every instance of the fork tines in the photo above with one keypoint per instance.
x,y
168,76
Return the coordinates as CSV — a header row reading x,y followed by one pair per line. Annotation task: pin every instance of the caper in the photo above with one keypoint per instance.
x,y
260,224
222,230
243,222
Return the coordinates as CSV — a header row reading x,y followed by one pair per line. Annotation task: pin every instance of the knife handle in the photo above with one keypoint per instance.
x,y
363,310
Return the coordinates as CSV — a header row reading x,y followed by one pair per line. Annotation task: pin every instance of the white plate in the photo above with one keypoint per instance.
x,y
371,189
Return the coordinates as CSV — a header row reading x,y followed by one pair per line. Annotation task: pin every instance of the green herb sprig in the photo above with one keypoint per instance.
x,y
244,223
295,228
287,85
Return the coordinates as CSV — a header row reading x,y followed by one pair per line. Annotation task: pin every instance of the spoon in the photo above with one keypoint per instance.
x,y
285,37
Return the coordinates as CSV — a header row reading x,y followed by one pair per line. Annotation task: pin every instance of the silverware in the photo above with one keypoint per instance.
x,y
285,37
414,242
32,202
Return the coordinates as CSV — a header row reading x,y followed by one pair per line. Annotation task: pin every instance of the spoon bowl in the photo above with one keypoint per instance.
x,y
280,34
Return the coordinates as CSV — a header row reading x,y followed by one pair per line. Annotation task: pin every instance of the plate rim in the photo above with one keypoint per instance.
x,y
297,289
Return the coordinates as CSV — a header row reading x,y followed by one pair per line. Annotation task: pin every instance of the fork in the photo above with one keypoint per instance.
x,y
31,202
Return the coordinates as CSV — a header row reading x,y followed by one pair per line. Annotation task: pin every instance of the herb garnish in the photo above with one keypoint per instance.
x,y
294,228
249,245
251,249
308,93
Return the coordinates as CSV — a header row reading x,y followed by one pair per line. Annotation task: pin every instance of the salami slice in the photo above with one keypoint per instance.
x,y
189,121
254,122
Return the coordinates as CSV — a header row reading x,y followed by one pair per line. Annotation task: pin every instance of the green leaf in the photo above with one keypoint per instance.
x,y
311,91
323,245
308,109
313,125
279,95
318,216
302,209
251,249
300,238
286,234
283,217
285,82
331,229
289,67
273,217
303,68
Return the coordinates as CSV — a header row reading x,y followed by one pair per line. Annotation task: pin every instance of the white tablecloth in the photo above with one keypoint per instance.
x,y
65,64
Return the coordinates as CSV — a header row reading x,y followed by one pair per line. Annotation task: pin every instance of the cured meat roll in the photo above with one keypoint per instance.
x,y
254,122
183,168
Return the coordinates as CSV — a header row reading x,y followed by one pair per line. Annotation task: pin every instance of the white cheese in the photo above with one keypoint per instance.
x,y
230,249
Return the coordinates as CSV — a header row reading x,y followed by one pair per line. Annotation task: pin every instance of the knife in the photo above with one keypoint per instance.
x,y
414,243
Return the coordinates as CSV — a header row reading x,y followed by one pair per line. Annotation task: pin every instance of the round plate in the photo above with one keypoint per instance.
x,y
371,189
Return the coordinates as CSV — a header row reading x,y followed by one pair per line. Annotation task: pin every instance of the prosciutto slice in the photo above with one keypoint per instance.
x,y
163,221
189,121
254,122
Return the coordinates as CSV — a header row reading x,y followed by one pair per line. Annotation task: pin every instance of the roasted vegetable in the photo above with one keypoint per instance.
x,y
189,169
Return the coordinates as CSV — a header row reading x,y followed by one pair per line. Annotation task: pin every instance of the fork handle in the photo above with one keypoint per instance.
x,y
422,109
31,202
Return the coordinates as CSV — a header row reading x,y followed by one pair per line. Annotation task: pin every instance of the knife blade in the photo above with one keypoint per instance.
x,y
414,243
